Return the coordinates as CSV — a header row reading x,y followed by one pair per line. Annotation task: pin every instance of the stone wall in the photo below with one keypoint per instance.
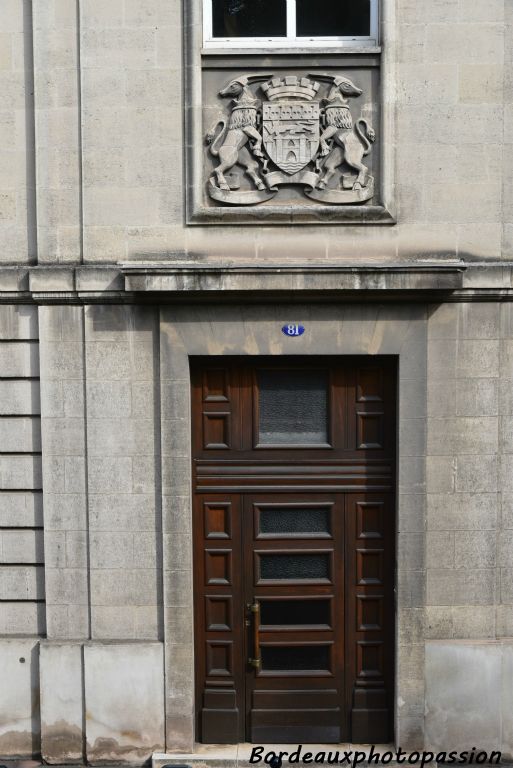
x,y
108,706
115,417
123,472
64,462
449,108
58,149
22,585
469,469
101,488
20,724
17,128
507,153
469,541
107,136
93,101
22,582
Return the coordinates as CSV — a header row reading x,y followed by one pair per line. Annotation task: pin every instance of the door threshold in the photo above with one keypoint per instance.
x,y
235,755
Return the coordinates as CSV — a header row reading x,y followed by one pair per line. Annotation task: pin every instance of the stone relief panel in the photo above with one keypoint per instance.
x,y
290,138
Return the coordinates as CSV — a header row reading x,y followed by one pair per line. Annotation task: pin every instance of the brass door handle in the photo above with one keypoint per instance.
x,y
256,661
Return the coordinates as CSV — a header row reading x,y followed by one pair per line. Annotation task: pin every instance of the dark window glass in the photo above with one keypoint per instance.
x,y
294,566
295,612
328,18
249,18
294,520
293,407
296,657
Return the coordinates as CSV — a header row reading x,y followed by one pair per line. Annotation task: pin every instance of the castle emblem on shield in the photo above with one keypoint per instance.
x,y
295,135
291,133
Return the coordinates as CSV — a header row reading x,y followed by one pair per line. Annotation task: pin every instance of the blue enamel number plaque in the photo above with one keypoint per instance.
x,y
293,329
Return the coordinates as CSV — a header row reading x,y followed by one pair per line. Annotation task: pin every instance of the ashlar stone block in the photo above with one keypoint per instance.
x,y
460,587
19,397
479,320
477,397
124,698
20,435
506,586
440,474
440,549
475,549
61,704
28,619
20,472
462,436
19,360
19,697
473,622
21,509
462,682
476,474
477,358
18,322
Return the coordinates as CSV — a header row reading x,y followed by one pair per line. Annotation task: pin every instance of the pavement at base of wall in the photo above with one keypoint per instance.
x,y
10,763
216,756
238,756
172,761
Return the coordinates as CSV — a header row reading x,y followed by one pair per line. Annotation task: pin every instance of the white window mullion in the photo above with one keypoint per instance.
x,y
291,20
208,32
374,21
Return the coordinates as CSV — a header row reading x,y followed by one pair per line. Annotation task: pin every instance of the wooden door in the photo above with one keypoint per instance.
x,y
293,468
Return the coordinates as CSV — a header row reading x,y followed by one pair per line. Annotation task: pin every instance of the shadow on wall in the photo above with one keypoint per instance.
x,y
30,131
36,712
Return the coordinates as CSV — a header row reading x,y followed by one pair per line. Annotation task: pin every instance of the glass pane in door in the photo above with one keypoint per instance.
x,y
292,407
294,521
297,566
295,612
297,658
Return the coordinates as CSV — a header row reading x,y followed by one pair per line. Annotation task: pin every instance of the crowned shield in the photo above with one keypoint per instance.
x,y
291,133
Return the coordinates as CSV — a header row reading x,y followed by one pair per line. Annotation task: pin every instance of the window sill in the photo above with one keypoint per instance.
x,y
299,49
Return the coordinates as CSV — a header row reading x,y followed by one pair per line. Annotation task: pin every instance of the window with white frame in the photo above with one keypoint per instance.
x,y
289,23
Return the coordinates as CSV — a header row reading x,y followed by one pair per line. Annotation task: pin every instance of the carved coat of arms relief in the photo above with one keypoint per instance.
x,y
291,136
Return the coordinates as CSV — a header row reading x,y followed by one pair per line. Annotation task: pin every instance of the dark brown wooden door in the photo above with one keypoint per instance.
x,y
293,472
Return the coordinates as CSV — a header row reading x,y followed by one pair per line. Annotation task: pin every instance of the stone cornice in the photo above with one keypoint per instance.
x,y
207,281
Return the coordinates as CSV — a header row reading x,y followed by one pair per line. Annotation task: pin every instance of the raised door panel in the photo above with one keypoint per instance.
x,y
370,615
216,410
295,541
219,616
332,413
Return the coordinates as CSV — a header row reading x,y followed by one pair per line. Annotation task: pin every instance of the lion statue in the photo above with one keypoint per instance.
x,y
230,143
350,143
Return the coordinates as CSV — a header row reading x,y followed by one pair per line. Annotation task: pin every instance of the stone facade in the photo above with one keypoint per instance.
x,y
110,281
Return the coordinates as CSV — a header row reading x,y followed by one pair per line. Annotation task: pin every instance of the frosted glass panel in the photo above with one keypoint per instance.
x,y
294,567
293,407
290,520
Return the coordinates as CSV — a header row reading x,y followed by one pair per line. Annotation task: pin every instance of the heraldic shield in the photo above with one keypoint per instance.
x,y
291,133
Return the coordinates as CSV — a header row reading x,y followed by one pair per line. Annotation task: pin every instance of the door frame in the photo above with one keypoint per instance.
x,y
256,330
